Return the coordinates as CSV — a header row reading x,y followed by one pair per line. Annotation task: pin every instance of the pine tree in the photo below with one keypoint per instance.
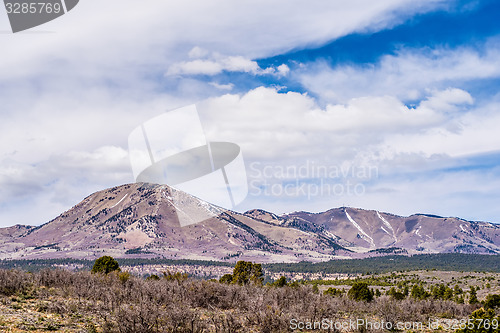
x,y
245,272
105,264
360,292
473,296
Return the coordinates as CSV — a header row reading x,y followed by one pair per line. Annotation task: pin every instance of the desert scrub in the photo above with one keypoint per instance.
x,y
84,302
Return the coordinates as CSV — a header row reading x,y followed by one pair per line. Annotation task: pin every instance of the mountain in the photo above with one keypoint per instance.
x,y
368,229
143,221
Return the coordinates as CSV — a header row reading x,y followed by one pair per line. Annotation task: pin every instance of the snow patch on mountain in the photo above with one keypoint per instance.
x,y
387,232
372,243
388,225
116,204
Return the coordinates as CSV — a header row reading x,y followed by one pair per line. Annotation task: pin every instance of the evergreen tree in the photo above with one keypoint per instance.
x,y
360,292
418,292
333,292
226,278
473,296
281,282
457,290
492,301
315,288
245,272
105,264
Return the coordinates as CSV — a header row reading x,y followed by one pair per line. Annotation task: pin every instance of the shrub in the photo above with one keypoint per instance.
x,y
315,288
245,272
123,276
473,296
281,282
418,292
333,292
492,301
177,276
398,296
172,304
457,290
13,282
483,322
226,278
105,264
360,292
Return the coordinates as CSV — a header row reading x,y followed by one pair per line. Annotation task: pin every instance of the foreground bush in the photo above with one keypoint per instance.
x,y
360,292
176,303
105,265
482,321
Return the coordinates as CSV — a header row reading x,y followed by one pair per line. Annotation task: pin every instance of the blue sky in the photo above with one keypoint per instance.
x,y
408,89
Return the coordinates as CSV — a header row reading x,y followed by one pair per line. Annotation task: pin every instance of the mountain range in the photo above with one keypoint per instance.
x,y
141,220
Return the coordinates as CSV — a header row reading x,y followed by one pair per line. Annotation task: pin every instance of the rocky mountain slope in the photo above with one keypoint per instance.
x,y
142,220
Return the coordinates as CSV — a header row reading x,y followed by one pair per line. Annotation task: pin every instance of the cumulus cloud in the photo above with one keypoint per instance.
x,y
468,134
271,127
279,125
283,70
447,100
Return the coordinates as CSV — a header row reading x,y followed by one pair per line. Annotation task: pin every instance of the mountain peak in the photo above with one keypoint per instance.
x,y
150,220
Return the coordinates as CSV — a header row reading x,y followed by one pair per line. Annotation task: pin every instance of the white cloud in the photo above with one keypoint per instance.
x,y
213,67
268,123
240,64
198,52
447,100
469,134
227,87
282,128
406,75
283,70
204,67
459,193
213,64
470,195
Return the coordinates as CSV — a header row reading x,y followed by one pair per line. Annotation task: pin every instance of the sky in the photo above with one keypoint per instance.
x,y
391,105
